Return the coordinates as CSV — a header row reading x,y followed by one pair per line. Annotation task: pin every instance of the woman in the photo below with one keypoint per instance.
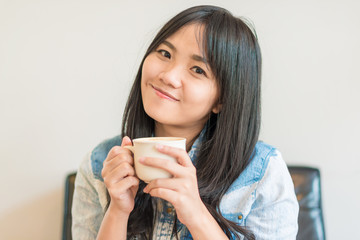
x,y
199,79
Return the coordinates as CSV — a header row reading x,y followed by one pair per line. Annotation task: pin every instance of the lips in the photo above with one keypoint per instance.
x,y
163,94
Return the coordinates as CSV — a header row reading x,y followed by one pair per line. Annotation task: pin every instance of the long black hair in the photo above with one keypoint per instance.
x,y
233,54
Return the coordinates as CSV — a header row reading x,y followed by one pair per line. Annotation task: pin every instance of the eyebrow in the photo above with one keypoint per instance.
x,y
199,58
169,45
194,56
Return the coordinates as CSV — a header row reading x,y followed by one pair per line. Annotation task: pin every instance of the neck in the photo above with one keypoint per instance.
x,y
190,133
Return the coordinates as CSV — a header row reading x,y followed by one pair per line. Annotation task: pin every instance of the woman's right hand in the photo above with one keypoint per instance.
x,y
119,177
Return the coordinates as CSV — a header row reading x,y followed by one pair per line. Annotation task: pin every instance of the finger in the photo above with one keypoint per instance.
x,y
166,194
119,173
170,166
168,183
179,185
179,154
116,155
126,141
116,150
123,156
123,186
123,170
110,164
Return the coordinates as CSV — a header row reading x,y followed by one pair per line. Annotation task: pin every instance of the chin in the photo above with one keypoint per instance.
x,y
163,117
160,117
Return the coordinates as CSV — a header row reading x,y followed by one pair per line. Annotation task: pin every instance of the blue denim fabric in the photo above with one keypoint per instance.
x,y
99,155
262,199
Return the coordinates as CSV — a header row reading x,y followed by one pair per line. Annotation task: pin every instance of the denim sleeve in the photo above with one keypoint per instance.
x,y
274,213
88,203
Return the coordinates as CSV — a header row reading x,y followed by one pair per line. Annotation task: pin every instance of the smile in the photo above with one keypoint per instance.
x,y
164,94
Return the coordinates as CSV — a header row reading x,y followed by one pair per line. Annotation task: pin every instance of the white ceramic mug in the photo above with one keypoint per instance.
x,y
145,147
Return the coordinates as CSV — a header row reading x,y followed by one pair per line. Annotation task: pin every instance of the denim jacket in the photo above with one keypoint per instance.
x,y
262,198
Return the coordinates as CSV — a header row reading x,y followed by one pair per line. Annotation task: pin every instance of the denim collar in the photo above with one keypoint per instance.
x,y
194,151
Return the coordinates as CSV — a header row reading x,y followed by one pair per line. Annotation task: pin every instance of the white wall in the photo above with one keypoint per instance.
x,y
66,68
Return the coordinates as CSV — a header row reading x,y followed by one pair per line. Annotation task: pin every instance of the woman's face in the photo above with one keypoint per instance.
x,y
178,89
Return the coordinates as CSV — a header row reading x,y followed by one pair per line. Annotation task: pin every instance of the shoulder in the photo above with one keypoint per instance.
x,y
90,194
99,154
256,169
274,208
265,182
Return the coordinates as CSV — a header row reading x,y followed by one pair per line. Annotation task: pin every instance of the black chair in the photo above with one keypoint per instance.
x,y
69,191
307,188
308,192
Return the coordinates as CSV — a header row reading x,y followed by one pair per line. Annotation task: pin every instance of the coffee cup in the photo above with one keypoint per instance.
x,y
145,147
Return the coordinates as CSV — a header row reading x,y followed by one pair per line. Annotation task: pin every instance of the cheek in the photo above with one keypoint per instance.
x,y
203,94
145,70
151,67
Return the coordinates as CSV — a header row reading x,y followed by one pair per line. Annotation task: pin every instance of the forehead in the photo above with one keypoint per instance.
x,y
191,35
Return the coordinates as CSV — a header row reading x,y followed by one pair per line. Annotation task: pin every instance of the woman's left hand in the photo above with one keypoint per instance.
x,y
182,189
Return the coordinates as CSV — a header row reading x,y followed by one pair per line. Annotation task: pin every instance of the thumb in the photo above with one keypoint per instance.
x,y
126,141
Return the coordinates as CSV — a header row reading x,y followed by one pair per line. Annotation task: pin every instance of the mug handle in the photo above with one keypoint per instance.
x,y
131,148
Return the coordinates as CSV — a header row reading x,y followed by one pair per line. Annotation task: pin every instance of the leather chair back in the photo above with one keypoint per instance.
x,y
69,191
308,192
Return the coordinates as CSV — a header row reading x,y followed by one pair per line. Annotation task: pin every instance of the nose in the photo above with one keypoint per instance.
x,y
172,76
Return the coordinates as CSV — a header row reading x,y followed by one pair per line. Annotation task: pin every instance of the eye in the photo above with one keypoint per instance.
x,y
199,70
164,53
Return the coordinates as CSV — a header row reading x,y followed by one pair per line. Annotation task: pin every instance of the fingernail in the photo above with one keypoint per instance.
x,y
142,159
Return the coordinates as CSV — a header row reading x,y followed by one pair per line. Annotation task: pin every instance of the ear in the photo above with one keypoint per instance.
x,y
217,108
